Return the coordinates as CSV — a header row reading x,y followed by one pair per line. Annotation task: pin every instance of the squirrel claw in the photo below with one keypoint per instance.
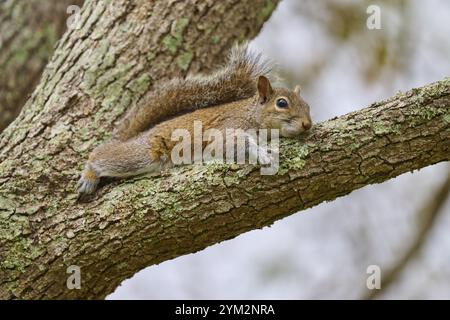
x,y
87,184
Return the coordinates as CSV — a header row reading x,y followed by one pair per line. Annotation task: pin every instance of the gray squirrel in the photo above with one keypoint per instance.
x,y
239,96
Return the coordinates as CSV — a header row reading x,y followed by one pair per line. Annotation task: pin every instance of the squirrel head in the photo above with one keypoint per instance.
x,y
282,109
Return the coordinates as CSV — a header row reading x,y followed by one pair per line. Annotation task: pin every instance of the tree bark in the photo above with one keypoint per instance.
x,y
29,31
95,73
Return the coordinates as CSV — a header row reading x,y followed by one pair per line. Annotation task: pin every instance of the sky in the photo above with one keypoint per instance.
x,y
324,252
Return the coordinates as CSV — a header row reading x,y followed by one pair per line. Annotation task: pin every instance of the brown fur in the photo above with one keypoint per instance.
x,y
235,81
247,101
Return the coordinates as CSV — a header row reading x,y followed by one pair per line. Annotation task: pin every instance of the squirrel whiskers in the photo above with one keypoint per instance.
x,y
238,96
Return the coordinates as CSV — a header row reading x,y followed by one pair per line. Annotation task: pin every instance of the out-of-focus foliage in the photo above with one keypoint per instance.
x,y
379,51
324,252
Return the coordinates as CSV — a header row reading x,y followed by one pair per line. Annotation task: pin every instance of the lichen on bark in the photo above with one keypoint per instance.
x,y
97,72
101,69
29,31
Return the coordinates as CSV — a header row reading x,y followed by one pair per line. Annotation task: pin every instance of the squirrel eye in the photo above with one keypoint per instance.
x,y
282,103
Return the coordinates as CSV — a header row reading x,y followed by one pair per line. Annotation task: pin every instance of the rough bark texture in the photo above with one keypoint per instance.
x,y
29,30
95,74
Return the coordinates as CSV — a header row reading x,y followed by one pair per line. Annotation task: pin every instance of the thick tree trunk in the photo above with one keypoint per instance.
x,y
95,74
29,31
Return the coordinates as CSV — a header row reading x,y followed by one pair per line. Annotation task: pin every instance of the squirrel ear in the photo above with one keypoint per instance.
x,y
264,89
297,89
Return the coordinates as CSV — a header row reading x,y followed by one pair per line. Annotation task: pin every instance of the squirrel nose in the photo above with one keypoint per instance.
x,y
306,125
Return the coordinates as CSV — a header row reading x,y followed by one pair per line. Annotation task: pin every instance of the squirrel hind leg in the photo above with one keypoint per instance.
x,y
117,159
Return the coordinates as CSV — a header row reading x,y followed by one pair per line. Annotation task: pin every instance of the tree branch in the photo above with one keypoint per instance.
x,y
94,75
29,32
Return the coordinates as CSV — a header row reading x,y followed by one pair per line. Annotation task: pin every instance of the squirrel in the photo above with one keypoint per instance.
x,y
237,96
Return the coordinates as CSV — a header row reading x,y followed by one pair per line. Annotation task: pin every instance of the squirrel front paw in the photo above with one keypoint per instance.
x,y
88,181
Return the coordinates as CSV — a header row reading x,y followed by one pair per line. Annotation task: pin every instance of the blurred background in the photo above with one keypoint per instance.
x,y
324,252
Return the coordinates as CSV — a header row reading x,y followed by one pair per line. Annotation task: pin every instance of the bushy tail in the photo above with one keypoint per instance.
x,y
235,81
